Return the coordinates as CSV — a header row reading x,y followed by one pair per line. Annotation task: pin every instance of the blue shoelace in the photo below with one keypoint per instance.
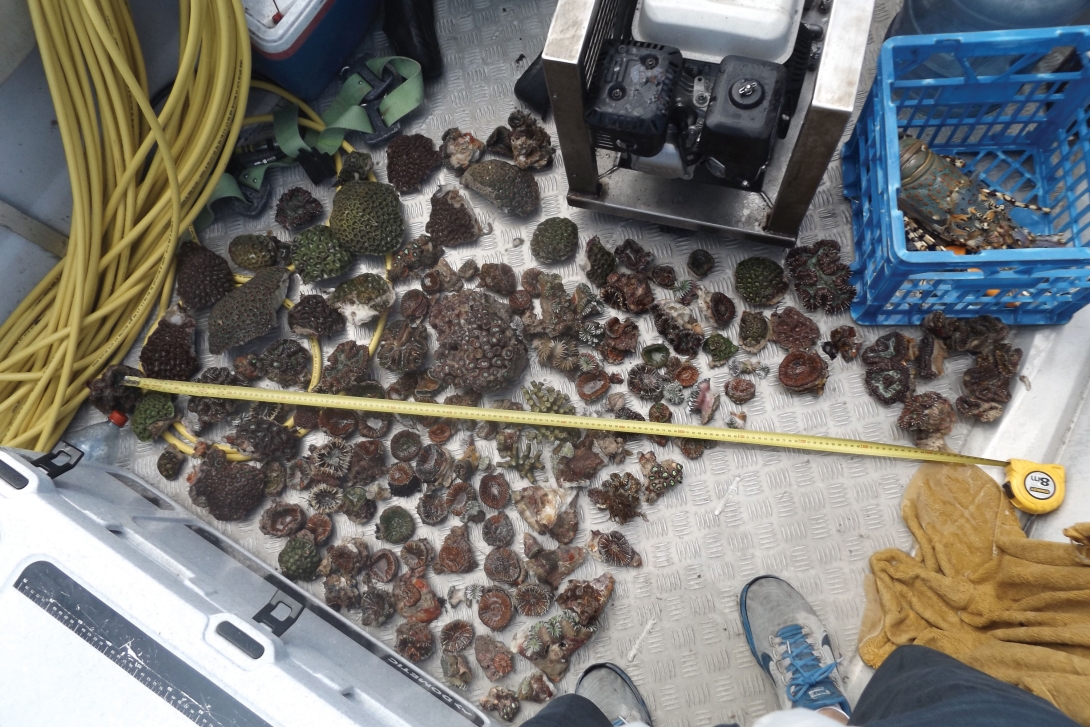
x,y
805,668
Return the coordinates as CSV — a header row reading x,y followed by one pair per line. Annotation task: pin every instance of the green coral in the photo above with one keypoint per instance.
x,y
154,413
518,455
545,399
253,251
248,311
355,167
318,254
600,262
719,349
760,281
363,297
555,240
513,190
299,560
366,217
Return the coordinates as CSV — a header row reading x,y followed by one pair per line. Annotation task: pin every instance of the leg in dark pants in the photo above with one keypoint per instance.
x,y
569,710
920,687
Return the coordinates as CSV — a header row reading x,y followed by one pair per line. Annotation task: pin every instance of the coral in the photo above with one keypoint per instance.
x,y
456,636
558,313
634,257
495,609
530,280
539,506
719,349
741,390
402,347
592,385
297,207
405,445
803,371
661,476
169,463
347,557
456,554
754,330
395,525
930,416
513,190
497,531
581,466
363,298
532,600
168,352
520,301
544,399
495,491
972,335
417,254
452,221
456,670
499,278
264,439
253,252
340,592
555,240
550,644
518,455
646,382
719,307
529,144
794,330
930,360
313,317
619,495
286,362
460,149
153,414
382,566
325,499
332,458
108,392
462,502
495,659
613,548
585,301
627,292
503,702
414,599
760,281
210,409
347,370
700,263
551,567
889,385
368,462
248,311
416,555
410,159
282,519
678,326
984,411
318,254
843,341
415,304
299,559
989,377
703,402
320,525
414,640
356,166
376,607
889,351
820,278
202,277
503,566
600,262
366,217
432,506
586,599
673,393
534,688
477,348
561,354
275,475
434,464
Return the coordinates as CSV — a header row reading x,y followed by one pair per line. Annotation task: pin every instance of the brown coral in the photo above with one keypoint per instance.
x,y
410,159
794,330
586,599
495,609
456,555
477,348
803,372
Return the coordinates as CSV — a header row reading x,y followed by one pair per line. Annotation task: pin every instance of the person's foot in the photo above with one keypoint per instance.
x,y
613,692
789,642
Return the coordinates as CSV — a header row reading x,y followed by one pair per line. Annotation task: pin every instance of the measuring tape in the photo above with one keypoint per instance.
x,y
1026,485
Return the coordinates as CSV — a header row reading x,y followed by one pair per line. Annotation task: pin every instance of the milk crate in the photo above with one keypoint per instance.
x,y
1025,132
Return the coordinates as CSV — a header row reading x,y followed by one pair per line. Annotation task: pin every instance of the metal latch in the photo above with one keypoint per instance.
x,y
279,625
52,464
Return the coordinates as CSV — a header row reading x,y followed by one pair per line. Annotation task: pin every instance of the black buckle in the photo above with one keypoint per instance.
x,y
318,165
48,462
380,85
383,132
279,625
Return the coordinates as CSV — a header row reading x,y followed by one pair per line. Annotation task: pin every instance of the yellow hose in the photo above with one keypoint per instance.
x,y
125,222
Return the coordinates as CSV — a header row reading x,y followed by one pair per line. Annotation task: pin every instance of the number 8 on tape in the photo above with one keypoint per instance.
x,y
1034,488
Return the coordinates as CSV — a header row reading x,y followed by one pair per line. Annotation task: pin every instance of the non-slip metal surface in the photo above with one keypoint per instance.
x,y
813,519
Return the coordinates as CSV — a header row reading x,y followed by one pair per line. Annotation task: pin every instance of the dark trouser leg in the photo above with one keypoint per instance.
x,y
569,710
921,687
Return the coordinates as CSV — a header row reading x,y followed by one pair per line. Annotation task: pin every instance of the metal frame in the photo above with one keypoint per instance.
x,y
798,162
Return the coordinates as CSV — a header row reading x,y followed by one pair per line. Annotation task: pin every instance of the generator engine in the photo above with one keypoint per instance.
x,y
711,105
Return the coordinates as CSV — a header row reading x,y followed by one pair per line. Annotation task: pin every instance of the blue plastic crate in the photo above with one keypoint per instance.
x,y
1025,133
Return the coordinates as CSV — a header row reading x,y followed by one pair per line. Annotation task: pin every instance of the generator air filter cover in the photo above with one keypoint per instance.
x,y
708,30
631,96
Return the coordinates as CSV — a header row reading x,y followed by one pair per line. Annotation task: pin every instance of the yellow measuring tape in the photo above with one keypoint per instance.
x,y
1025,478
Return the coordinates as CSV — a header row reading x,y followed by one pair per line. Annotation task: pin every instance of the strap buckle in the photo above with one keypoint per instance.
x,y
383,132
380,85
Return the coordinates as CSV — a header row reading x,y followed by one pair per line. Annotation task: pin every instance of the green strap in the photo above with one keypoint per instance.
x,y
226,186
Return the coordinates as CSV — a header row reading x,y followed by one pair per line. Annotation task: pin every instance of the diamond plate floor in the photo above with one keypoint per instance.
x,y
741,512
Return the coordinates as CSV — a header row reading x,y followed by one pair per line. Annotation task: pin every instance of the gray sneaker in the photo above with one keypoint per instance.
x,y
612,691
789,642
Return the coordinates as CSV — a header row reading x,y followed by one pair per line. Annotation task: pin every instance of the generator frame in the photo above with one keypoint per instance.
x,y
773,215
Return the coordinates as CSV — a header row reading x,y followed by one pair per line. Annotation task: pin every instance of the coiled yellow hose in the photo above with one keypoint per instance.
x,y
127,212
